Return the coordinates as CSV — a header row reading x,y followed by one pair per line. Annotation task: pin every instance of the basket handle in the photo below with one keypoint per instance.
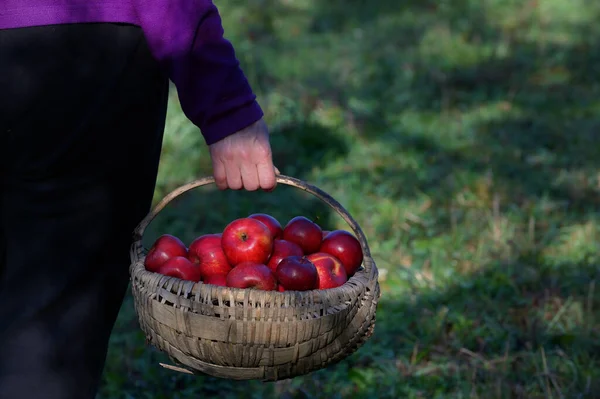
x,y
290,181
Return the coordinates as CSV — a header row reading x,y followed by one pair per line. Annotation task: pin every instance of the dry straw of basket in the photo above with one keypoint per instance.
x,y
251,334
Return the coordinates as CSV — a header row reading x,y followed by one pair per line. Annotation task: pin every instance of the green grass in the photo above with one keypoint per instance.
x,y
464,137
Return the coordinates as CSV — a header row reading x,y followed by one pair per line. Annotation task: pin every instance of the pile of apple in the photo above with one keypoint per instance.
x,y
256,252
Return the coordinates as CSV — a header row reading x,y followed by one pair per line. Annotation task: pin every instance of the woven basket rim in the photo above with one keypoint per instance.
x,y
189,289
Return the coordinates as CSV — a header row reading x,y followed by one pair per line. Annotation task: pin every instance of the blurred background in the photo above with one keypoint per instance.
x,y
463,136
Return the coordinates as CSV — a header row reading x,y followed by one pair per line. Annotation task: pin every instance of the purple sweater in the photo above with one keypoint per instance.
x,y
185,36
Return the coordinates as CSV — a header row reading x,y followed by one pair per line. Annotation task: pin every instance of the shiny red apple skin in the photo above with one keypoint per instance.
x,y
180,267
247,240
207,252
164,248
296,273
283,249
252,275
343,245
216,279
304,232
271,222
330,269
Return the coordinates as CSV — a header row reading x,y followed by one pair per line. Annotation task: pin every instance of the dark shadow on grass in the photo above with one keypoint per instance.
x,y
301,147
492,331
326,14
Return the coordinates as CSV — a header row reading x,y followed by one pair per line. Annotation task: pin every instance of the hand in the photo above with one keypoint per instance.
x,y
244,160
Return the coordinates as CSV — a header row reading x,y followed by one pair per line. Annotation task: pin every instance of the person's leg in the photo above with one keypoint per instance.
x,y
82,111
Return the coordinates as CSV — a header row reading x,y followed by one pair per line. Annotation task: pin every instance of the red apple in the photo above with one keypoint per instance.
x,y
304,232
280,288
283,249
252,275
330,269
269,221
325,232
344,246
296,273
216,279
247,240
207,252
182,268
164,248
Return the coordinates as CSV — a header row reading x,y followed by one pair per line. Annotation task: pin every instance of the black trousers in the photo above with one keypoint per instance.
x,y
82,113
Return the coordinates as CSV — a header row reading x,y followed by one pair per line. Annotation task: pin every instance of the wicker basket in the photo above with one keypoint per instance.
x,y
251,334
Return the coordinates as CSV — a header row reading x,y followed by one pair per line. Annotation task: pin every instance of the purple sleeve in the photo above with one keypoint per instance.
x,y
186,37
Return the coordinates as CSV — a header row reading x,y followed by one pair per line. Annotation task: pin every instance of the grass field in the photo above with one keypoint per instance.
x,y
463,136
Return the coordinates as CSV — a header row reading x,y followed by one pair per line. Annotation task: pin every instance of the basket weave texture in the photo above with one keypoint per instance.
x,y
245,334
